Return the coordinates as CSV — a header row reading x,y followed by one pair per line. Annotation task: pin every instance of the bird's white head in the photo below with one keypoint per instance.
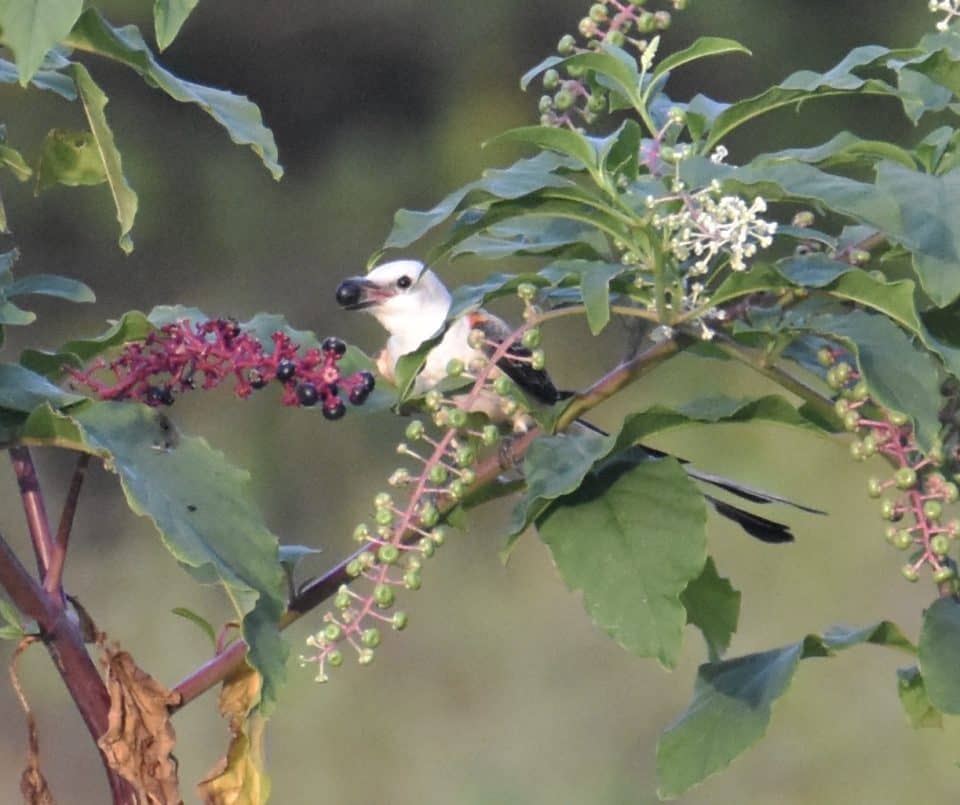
x,y
406,297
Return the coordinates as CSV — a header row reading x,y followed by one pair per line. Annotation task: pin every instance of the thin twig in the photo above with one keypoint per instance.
x,y
33,508
53,583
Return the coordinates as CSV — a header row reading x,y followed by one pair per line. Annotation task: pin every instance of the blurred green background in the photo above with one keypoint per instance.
x,y
501,691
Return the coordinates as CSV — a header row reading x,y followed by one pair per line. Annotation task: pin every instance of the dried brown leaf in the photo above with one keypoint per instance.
x,y
239,778
33,786
140,739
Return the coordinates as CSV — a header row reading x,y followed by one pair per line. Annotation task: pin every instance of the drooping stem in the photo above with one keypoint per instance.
x,y
53,583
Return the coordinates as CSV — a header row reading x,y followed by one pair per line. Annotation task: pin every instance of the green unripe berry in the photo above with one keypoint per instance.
x,y
551,79
851,421
680,5
388,554
940,544
367,560
509,407
399,477
538,360
951,493
874,487
587,27
476,339
354,568
909,573
943,574
888,510
341,600
869,445
890,534
361,533
433,400
646,23
427,548
490,435
382,500
399,621
383,595
860,391
531,338
466,456
857,451
370,638
661,20
545,104
415,430
903,539
502,385
438,474
441,418
841,407
413,561
932,509
563,99
455,367
428,515
333,632
598,12
411,580
456,490
438,535
575,70
385,531
365,657
905,478
897,418
566,45
335,658
616,38
825,357
383,516
469,477
457,417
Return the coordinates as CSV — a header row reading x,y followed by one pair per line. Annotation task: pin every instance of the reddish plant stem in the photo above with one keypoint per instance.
x,y
33,507
215,670
53,583
64,641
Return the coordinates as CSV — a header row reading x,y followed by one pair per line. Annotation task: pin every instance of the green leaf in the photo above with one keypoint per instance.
x,y
43,79
49,285
71,158
13,315
939,653
198,620
202,508
13,160
632,539
916,702
533,236
23,390
713,606
927,225
239,116
124,199
564,141
593,277
30,28
805,84
523,177
13,625
843,149
168,18
900,376
617,67
291,555
704,46
732,701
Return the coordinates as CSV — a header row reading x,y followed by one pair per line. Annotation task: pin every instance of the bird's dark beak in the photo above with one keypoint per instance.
x,y
357,293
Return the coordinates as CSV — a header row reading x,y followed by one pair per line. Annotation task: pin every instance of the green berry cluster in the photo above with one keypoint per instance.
x,y
570,98
405,531
913,497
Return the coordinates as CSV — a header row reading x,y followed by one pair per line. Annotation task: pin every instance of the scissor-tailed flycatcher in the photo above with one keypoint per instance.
x,y
412,305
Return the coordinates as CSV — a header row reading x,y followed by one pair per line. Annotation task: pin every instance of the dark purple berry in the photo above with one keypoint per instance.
x,y
358,395
231,329
334,408
286,369
154,396
368,381
307,394
256,379
166,396
333,346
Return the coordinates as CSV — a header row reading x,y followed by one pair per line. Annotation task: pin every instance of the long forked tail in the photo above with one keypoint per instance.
x,y
756,526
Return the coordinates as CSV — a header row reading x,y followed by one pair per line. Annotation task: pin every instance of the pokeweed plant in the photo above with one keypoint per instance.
x,y
829,270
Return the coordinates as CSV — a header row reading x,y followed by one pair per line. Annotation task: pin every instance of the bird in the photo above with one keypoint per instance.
x,y
412,304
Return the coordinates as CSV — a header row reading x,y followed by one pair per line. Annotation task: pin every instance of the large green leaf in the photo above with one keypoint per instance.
x,y
22,390
239,116
940,654
843,149
632,539
593,277
12,159
713,606
732,702
30,28
168,19
555,465
702,48
199,503
49,285
564,141
124,199
43,79
520,179
535,236
71,158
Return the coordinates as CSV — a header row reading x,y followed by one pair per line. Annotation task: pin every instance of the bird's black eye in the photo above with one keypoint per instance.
x,y
404,282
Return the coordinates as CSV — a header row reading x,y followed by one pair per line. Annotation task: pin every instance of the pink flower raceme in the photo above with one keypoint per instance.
x,y
185,355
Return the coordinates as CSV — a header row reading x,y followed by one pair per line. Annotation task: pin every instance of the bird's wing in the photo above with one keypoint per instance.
x,y
516,363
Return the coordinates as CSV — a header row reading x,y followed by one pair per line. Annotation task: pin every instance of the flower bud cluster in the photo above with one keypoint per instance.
x,y
405,528
913,498
568,99
184,356
949,7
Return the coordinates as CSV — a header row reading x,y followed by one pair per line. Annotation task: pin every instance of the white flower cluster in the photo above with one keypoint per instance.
x,y
949,7
709,224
